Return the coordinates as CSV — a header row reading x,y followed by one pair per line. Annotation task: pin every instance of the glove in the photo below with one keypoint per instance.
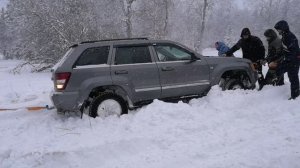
x,y
273,65
262,62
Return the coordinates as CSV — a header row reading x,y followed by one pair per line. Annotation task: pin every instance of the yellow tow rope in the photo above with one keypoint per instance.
x,y
29,109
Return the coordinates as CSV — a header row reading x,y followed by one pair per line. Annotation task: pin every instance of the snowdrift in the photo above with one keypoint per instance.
x,y
231,129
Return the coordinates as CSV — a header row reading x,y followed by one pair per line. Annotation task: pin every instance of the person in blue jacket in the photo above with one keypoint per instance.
x,y
290,62
222,48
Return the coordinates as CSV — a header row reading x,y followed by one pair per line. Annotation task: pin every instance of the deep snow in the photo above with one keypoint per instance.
x,y
231,129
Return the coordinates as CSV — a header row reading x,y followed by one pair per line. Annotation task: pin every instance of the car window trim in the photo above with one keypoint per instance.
x,y
149,63
92,66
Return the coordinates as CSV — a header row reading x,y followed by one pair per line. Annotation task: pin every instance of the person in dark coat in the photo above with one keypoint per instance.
x,y
290,63
274,57
253,49
222,48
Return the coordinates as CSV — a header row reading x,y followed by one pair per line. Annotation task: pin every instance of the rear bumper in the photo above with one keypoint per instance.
x,y
65,101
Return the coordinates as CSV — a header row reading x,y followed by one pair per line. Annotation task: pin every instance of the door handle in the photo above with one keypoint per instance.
x,y
120,72
167,69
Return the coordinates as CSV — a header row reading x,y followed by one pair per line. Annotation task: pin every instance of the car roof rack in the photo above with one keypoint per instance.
x,y
95,41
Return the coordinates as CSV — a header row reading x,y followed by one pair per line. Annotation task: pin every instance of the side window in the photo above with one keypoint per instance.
x,y
171,53
132,55
93,56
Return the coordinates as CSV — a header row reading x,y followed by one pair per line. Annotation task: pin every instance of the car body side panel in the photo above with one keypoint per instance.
x,y
140,81
185,77
88,79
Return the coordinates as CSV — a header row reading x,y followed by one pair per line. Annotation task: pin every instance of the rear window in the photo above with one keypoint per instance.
x,y
93,56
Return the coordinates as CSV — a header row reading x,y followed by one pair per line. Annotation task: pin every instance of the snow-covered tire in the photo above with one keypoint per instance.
x,y
107,104
222,83
233,84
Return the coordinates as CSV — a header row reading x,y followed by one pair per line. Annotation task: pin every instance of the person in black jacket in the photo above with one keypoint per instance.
x,y
290,63
274,57
253,49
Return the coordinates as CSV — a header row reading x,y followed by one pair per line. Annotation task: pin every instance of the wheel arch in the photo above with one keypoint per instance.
x,y
237,74
229,72
114,89
234,73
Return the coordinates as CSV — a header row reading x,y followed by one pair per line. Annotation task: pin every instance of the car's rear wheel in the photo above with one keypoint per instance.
x,y
233,84
107,104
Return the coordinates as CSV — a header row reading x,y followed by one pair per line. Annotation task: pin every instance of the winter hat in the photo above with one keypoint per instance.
x,y
282,25
245,32
271,34
219,44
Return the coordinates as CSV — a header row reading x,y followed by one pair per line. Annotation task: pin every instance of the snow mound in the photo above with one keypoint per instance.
x,y
230,129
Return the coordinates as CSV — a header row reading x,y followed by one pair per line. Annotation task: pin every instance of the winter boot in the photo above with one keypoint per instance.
x,y
295,94
261,83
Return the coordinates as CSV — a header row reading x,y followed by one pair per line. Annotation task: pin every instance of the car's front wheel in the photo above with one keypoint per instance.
x,y
107,104
233,84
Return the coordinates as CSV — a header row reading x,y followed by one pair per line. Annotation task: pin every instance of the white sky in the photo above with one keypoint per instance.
x,y
240,3
3,3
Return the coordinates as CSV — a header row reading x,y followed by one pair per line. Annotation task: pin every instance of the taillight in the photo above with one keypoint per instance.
x,y
61,80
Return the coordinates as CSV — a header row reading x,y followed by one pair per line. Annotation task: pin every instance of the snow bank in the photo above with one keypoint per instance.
x,y
229,129
22,89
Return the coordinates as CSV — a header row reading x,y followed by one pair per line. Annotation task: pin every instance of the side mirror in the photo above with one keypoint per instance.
x,y
194,58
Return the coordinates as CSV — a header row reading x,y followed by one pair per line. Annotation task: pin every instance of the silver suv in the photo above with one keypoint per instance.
x,y
111,76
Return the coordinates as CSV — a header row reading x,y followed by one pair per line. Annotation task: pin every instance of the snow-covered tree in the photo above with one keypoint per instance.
x,y
40,31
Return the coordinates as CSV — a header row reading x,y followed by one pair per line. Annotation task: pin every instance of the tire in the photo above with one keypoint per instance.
x,y
222,83
233,84
107,104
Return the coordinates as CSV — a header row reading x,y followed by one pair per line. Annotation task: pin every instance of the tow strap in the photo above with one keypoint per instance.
x,y
29,109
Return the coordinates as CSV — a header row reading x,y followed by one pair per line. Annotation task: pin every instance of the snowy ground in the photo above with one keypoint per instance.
x,y
232,129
